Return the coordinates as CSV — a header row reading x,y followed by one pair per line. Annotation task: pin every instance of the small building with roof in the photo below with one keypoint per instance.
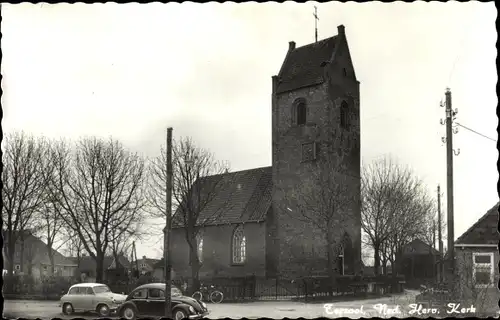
x,y
476,263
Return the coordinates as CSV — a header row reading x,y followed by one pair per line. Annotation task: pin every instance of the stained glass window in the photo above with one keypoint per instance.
x,y
239,245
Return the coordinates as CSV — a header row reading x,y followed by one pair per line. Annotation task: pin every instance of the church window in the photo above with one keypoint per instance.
x,y
301,114
345,72
239,245
341,260
344,115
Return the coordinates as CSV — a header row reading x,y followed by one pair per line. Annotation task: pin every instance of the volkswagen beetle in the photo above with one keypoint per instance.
x,y
148,300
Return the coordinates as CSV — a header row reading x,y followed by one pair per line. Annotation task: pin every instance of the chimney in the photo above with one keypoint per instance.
x,y
341,29
291,45
143,257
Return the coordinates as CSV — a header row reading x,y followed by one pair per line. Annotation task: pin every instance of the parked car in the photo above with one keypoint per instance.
x,y
148,300
96,297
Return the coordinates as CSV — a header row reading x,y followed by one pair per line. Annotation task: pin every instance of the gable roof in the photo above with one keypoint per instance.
x,y
417,246
484,231
303,65
243,196
88,264
36,250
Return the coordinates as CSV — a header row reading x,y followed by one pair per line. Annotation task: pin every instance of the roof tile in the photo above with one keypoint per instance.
x,y
241,197
484,231
303,66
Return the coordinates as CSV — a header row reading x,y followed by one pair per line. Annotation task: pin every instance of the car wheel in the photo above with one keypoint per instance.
x,y
103,310
180,314
128,313
67,309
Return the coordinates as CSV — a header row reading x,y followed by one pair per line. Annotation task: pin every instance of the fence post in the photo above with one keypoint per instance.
x,y
305,289
276,288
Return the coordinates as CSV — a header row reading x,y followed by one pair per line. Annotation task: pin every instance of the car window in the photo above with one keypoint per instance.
x,y
73,291
101,289
81,290
139,294
89,291
156,294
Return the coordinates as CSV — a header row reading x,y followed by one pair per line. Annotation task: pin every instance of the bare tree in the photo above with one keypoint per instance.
x,y
376,193
24,185
412,209
51,225
100,185
325,202
394,211
430,237
197,180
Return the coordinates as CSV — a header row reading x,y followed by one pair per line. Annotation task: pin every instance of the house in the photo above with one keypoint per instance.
x,y
247,228
159,271
476,261
146,265
32,258
86,270
418,262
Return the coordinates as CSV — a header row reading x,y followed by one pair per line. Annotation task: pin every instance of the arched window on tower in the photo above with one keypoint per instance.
x,y
344,115
301,113
238,245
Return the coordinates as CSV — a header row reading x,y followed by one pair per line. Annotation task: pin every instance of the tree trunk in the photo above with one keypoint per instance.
x,y
11,248
51,258
376,266
384,265
21,260
195,275
331,261
195,265
99,270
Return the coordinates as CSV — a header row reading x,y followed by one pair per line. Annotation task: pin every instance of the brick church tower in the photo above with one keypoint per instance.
x,y
315,122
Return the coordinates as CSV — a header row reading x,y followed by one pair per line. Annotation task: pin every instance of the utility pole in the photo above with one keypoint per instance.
x,y
440,239
316,19
168,227
450,117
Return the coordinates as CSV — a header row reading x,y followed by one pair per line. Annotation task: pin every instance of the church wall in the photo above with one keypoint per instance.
x,y
217,252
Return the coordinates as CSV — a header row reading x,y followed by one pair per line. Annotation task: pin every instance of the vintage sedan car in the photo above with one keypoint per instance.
x,y
94,297
148,300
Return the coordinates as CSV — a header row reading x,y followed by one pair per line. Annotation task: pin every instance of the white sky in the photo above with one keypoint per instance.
x,y
205,69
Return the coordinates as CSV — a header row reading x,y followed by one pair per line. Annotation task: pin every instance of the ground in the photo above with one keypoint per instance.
x,y
268,309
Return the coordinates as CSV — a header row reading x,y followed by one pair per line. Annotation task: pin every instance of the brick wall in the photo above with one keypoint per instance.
x,y
217,252
290,174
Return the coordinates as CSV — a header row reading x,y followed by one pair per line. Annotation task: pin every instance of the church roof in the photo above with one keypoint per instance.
x,y
484,231
303,65
243,196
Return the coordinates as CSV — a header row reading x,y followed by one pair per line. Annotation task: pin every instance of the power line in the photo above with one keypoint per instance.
x,y
482,135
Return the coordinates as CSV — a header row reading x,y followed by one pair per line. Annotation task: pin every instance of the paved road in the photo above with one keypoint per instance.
x,y
270,309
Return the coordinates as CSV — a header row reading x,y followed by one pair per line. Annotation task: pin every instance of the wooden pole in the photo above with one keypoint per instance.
x,y
168,228
449,185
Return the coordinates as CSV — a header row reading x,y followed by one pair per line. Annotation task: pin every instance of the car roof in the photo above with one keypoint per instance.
x,y
156,285
87,284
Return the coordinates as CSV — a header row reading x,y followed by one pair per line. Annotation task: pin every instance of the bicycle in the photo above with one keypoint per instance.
x,y
211,294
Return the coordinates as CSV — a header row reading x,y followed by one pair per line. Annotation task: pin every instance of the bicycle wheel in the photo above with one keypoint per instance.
x,y
216,296
197,295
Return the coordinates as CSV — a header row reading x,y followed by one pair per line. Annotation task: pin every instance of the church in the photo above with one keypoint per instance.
x,y
258,230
